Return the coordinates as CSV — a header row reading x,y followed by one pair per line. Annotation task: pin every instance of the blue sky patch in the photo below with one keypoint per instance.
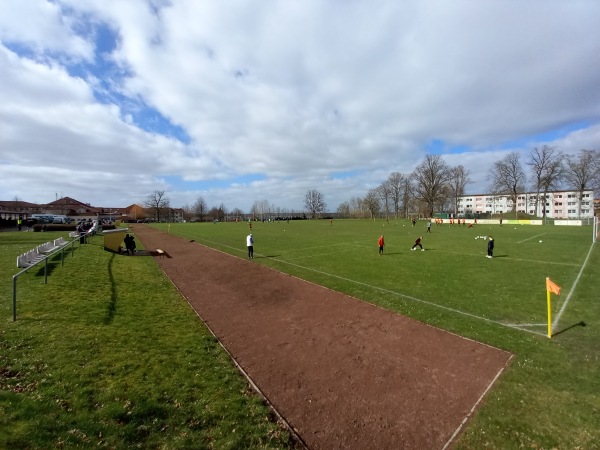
x,y
547,136
208,184
439,147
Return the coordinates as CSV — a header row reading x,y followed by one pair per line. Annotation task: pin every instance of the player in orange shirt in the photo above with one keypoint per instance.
x,y
381,243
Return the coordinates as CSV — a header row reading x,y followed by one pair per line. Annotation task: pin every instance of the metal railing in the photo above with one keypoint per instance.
x,y
44,260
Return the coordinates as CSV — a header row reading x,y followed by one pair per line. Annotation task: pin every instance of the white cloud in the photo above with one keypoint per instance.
x,y
294,91
41,25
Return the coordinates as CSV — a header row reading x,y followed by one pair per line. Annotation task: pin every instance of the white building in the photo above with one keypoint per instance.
x,y
558,204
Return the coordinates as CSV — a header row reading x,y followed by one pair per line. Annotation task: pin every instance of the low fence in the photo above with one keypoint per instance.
x,y
40,255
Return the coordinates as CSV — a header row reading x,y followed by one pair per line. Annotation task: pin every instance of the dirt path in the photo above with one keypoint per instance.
x,y
343,373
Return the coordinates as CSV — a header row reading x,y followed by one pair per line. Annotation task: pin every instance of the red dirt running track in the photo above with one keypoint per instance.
x,y
343,373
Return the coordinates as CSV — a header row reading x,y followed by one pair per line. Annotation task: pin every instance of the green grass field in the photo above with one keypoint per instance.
x,y
548,398
109,355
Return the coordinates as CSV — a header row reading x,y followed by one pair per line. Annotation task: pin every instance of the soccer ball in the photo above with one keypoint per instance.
x,y
540,242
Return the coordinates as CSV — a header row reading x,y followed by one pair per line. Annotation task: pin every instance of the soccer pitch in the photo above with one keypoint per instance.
x,y
450,283
549,396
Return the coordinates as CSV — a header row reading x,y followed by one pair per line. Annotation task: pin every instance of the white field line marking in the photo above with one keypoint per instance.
x,y
564,306
542,262
536,261
314,255
317,255
299,249
475,406
532,237
408,297
528,324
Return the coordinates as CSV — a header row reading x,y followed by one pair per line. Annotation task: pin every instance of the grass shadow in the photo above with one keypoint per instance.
x,y
52,265
578,324
112,305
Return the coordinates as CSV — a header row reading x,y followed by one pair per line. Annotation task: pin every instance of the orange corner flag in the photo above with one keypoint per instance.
x,y
551,286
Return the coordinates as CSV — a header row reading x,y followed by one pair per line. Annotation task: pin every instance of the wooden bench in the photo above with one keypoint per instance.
x,y
160,252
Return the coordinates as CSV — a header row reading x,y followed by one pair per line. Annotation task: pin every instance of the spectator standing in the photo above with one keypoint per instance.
x,y
250,245
381,243
429,227
490,247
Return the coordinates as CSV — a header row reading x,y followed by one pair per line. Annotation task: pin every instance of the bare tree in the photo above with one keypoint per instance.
x,y
221,212
213,214
548,169
357,207
445,199
237,213
314,202
408,194
157,202
260,209
383,190
200,208
343,210
508,178
459,178
583,172
431,176
396,183
372,203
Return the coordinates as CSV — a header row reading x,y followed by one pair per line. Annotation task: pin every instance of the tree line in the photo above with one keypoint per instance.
x,y
434,186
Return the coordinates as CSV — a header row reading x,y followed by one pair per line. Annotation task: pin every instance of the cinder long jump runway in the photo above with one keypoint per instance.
x,y
343,373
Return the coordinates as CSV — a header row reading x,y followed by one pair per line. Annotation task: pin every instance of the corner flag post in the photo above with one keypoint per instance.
x,y
551,286
549,302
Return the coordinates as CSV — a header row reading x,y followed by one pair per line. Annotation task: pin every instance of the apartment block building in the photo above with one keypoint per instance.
x,y
557,204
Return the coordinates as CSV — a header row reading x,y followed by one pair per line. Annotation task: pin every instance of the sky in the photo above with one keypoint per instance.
x,y
108,101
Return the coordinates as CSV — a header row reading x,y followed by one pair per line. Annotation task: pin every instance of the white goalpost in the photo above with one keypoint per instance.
x,y
596,228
